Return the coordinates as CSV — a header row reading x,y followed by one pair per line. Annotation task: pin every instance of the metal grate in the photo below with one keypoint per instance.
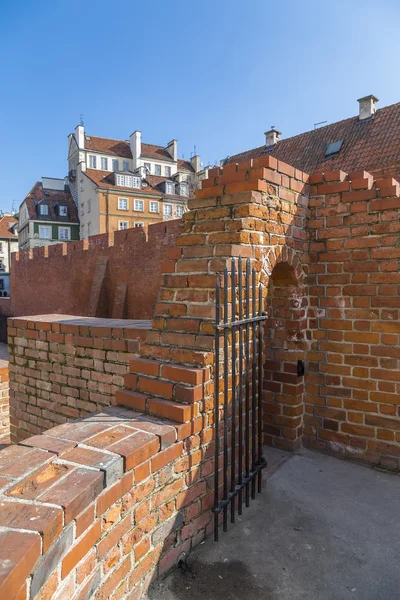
x,y
239,429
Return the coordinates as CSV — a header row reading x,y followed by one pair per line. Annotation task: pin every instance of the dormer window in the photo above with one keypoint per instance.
x,y
184,189
157,169
129,181
63,211
44,209
333,149
148,166
92,161
125,165
167,171
169,188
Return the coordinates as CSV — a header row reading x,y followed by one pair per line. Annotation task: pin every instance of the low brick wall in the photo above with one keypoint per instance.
x,y
64,367
4,403
102,507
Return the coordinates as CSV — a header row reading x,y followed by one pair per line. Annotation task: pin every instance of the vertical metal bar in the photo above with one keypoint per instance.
x,y
233,404
240,399
247,407
260,386
216,465
253,386
226,429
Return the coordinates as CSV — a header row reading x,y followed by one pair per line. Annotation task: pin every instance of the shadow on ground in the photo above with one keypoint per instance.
x,y
323,529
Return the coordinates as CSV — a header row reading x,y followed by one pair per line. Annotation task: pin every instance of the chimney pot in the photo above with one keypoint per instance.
x,y
272,137
367,106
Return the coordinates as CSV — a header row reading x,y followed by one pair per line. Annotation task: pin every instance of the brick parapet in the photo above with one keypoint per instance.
x,y
65,367
103,504
4,402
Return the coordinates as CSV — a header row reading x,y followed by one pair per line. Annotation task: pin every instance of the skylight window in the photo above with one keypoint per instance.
x,y
333,149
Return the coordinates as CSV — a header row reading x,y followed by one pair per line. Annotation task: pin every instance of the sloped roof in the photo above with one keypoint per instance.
x,y
367,144
122,148
185,165
39,195
152,184
6,225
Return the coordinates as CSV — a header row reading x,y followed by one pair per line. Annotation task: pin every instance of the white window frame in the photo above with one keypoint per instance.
x,y
184,189
63,211
92,161
68,230
179,210
125,165
148,166
41,229
123,204
136,204
104,163
42,211
167,171
156,168
115,164
170,188
138,224
167,210
154,206
136,183
121,225
1,247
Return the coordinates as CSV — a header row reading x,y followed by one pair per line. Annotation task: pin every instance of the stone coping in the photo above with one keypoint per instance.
x,y
47,480
79,321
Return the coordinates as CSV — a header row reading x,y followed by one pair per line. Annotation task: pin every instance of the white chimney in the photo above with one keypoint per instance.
x,y
80,136
272,136
172,148
196,163
367,107
135,142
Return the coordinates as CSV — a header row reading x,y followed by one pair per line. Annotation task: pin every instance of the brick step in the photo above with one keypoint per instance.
x,y
180,413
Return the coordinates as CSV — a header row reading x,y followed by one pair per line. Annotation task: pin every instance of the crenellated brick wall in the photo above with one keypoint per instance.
x,y
4,402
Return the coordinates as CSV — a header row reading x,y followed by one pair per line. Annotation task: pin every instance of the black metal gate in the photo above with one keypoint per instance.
x,y
238,419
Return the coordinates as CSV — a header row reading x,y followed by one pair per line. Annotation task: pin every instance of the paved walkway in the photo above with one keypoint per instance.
x,y
323,529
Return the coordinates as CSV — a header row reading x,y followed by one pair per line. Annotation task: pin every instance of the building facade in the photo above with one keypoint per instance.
x,y
8,244
119,184
48,215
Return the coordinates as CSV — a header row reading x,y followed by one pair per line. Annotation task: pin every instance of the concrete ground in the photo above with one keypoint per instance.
x,y
323,529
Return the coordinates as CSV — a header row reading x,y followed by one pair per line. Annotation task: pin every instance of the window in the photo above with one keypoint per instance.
x,y
154,207
333,149
123,224
1,284
167,171
92,161
82,231
82,209
148,167
139,205
168,210
89,206
104,164
1,247
169,188
88,228
184,189
44,232
63,211
179,210
139,224
64,233
129,181
1,265
125,165
115,164
44,209
122,203
157,169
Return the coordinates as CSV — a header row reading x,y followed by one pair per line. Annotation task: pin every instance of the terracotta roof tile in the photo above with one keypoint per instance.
x,y
122,148
185,165
6,223
369,145
152,183
52,198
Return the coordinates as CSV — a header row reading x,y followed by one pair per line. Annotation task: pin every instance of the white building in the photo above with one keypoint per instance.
x,y
8,244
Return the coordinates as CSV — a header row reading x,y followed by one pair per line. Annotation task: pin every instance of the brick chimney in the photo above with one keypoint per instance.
x,y
135,142
367,107
272,136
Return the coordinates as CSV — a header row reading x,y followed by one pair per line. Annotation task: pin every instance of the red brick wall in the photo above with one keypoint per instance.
x,y
89,278
64,369
4,402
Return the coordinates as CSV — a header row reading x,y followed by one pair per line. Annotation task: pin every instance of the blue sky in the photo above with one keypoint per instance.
x,y
215,74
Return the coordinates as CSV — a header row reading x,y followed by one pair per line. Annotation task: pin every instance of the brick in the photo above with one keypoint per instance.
x,y
136,448
166,456
19,553
75,492
145,366
112,466
165,433
79,550
49,561
45,520
58,446
130,399
171,410
33,485
112,435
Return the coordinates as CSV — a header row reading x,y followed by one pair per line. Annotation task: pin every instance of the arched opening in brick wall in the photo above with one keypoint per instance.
x,y
285,345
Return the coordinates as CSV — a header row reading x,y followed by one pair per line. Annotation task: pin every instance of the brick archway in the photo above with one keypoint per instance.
x,y
285,345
